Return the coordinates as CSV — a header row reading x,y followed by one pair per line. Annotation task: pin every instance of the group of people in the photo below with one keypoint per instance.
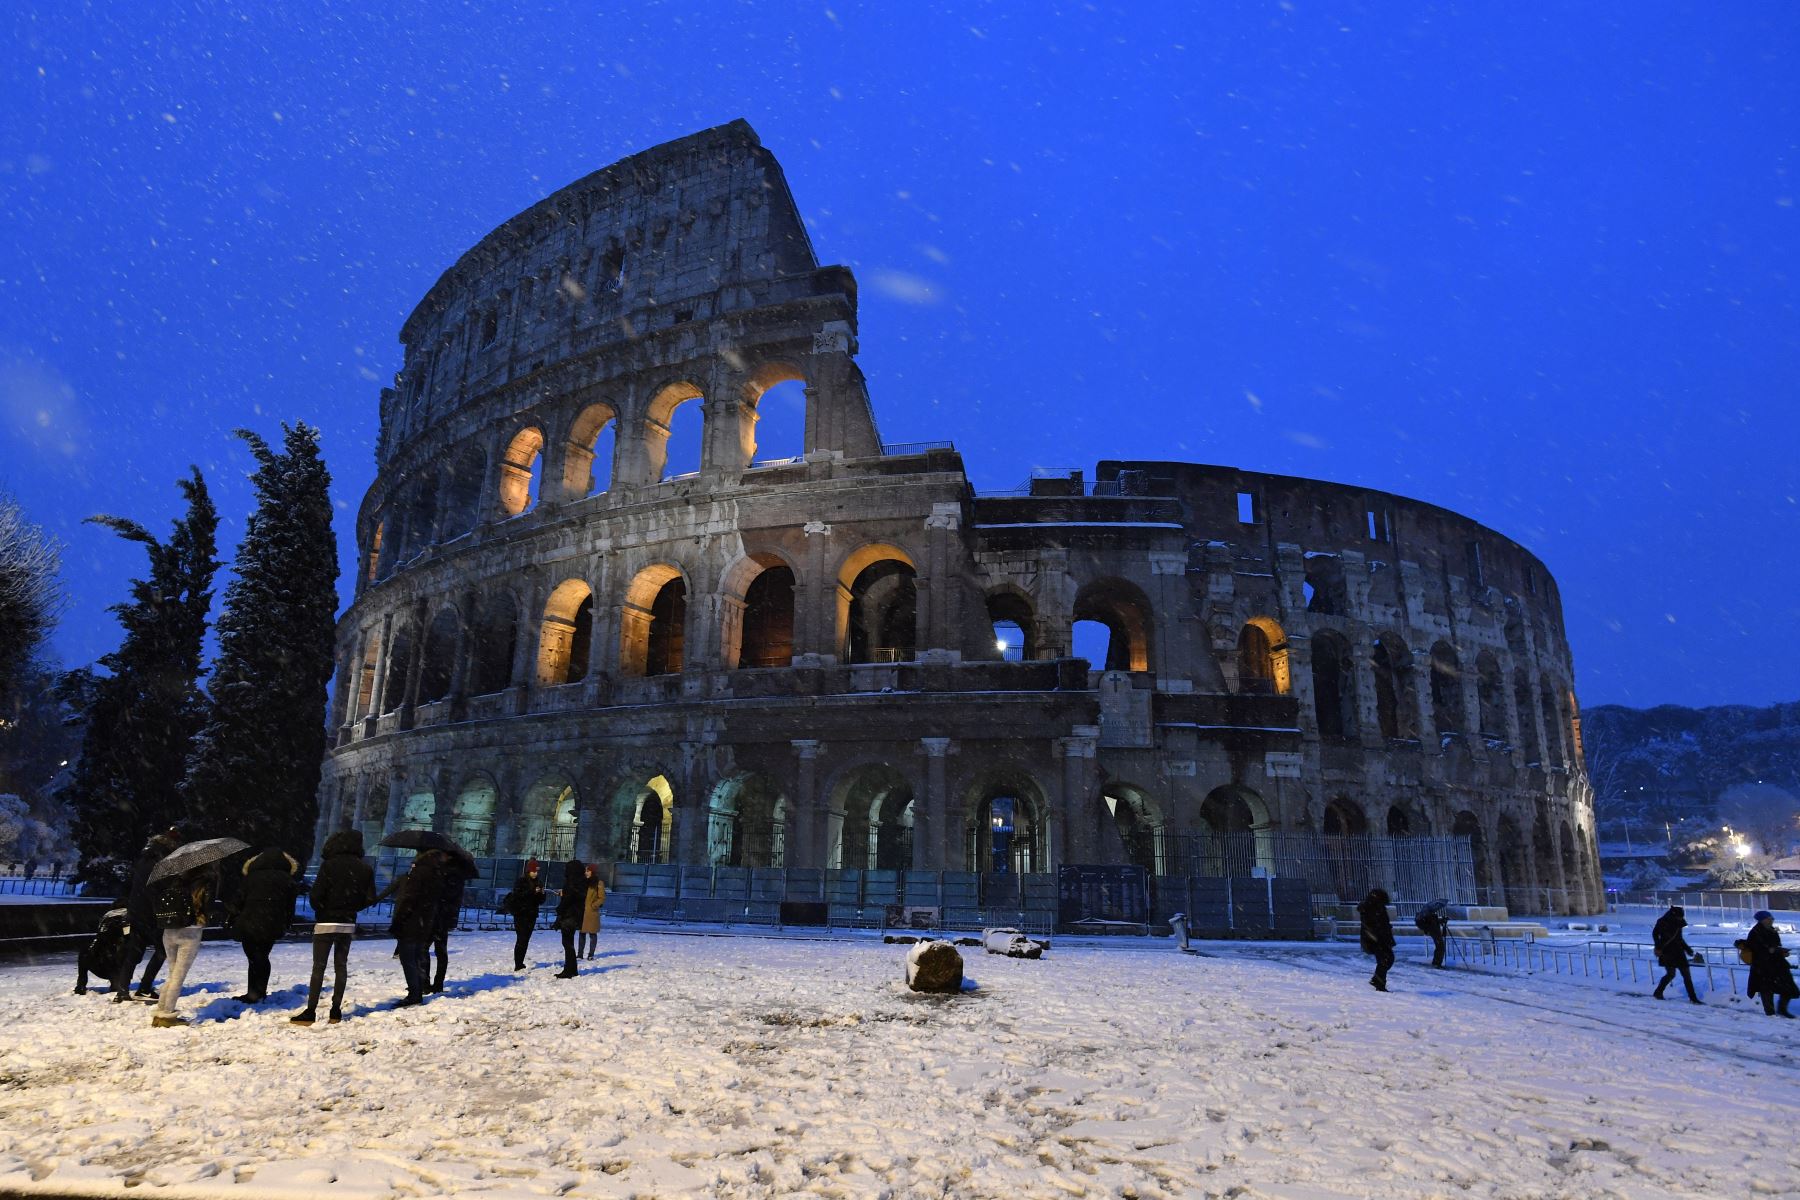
x,y
169,918
1771,977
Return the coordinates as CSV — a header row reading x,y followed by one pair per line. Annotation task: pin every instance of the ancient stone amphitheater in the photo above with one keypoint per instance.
x,y
848,659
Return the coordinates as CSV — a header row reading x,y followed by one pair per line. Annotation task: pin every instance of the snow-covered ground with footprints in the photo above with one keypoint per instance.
x,y
737,1066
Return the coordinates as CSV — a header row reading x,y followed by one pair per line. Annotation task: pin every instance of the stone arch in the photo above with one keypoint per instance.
x,y
1344,817
659,426
521,471
1124,610
1325,590
496,635
1555,754
642,825
1528,726
472,814
402,645
1396,701
767,380
549,813
653,622
1007,830
588,453
1515,865
462,491
418,515
1234,830
1571,868
366,674
872,809
1334,686
438,670
1446,689
565,638
1139,822
376,535
1262,658
758,613
1490,694
877,604
1014,624
1400,823
1467,824
746,820
418,810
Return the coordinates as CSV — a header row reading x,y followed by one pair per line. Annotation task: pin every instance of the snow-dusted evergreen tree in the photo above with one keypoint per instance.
x,y
255,767
146,709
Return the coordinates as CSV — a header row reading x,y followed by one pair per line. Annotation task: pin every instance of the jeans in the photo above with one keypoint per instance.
x,y
415,964
1687,980
258,954
329,945
182,946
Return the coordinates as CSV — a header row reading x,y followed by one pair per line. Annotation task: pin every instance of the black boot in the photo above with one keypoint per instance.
x,y
305,1016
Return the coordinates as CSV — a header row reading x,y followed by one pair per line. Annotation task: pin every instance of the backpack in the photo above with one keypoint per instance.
x,y
1743,949
175,903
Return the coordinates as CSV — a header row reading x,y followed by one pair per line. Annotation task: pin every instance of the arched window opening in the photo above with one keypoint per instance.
x,y
872,817
1139,823
776,421
1231,836
1092,641
567,634
1446,690
1515,868
365,677
1345,818
462,492
1554,729
652,822
439,666
588,456
1334,687
768,631
550,813
521,471
374,555
1262,656
1490,695
1014,629
1577,756
1326,592
418,811
1528,726
653,622
1396,705
884,613
393,688
1399,824
418,512
472,817
668,630
1345,828
1468,825
1006,831
746,823
495,642
1122,608
684,445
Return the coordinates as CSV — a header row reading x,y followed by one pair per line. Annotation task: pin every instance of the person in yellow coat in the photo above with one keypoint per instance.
x,y
590,912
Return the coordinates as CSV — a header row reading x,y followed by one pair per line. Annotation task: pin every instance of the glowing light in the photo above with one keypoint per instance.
x,y
1000,645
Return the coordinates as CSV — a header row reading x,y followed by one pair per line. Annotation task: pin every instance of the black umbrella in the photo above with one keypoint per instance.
x,y
196,854
427,839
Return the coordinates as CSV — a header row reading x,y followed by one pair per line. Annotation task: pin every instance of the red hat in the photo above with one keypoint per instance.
x,y
531,864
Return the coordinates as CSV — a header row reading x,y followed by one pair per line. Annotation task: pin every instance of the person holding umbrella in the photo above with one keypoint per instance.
x,y
459,868
522,905
415,921
186,883
1434,922
571,902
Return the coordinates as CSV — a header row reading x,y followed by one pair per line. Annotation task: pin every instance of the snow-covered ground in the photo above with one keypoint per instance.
x,y
745,1066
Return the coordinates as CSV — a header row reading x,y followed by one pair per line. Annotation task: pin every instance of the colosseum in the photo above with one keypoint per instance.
x,y
847,664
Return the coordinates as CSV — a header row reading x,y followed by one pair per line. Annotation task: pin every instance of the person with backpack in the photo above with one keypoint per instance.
x,y
1377,935
592,903
261,914
522,905
1434,922
1770,975
1672,951
182,905
100,956
142,932
345,886
571,903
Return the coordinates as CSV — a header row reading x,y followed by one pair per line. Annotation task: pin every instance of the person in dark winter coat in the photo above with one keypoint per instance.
x,y
262,913
1434,922
449,909
571,904
100,957
522,905
344,887
142,932
1377,935
1673,952
1770,976
415,921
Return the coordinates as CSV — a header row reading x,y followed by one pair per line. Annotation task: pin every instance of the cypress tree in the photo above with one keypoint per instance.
x,y
145,711
254,773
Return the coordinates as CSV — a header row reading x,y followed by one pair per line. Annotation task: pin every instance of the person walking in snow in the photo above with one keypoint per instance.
x,y
1377,935
592,903
415,922
522,904
1770,976
1673,952
262,913
345,886
182,903
571,905
142,932
449,910
1434,922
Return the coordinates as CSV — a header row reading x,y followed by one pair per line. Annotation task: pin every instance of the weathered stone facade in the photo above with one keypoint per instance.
x,y
796,663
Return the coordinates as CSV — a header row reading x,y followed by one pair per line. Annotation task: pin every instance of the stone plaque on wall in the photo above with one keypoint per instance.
x,y
1282,764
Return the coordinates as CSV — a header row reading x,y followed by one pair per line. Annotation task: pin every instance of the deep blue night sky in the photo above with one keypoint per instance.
x,y
1536,266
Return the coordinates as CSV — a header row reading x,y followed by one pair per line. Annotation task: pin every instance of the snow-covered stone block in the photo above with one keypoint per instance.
x,y
934,967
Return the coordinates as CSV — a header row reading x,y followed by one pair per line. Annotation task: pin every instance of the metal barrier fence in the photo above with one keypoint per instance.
x,y
1586,962
1410,868
42,885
